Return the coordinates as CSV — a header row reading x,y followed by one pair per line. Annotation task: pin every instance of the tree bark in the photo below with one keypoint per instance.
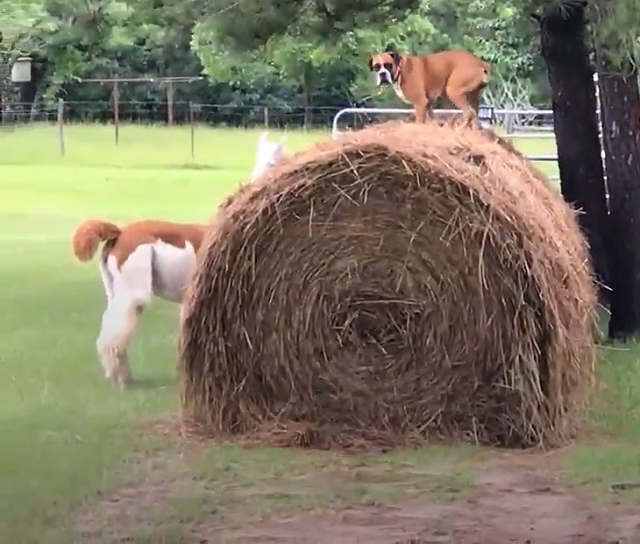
x,y
620,101
570,74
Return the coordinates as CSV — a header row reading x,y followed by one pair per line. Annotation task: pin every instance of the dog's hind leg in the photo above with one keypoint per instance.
x,y
471,115
132,291
473,99
459,99
465,91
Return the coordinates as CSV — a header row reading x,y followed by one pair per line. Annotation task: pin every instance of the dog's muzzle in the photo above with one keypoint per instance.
x,y
384,77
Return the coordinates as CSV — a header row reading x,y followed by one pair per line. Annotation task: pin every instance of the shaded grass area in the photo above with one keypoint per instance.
x,y
609,452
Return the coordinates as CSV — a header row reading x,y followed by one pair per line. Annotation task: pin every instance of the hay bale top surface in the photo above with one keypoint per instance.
x,y
488,165
396,283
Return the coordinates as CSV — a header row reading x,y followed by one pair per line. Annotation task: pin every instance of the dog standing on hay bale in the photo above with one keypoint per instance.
x,y
399,283
420,81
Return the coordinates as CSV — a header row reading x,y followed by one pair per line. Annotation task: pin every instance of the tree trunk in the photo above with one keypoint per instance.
x,y
28,92
619,103
570,74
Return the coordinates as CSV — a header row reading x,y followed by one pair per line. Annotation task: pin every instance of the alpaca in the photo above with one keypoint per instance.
x,y
267,155
138,261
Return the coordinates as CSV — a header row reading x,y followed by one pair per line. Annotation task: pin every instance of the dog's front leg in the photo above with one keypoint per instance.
x,y
421,109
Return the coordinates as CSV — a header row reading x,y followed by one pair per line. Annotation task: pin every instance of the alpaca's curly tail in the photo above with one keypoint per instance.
x,y
88,236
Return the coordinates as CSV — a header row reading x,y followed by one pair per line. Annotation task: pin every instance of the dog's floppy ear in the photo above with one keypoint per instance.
x,y
370,64
391,49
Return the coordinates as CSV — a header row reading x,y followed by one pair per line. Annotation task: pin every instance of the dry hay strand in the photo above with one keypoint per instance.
x,y
398,284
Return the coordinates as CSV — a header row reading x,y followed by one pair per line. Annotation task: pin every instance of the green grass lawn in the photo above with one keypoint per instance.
x,y
66,432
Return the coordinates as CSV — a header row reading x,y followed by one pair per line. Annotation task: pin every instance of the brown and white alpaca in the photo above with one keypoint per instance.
x,y
138,261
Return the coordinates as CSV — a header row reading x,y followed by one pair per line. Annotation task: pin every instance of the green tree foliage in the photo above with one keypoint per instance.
x,y
250,25
494,29
105,38
285,54
17,17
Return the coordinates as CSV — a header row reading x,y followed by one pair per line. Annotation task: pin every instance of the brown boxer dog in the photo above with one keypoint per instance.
x,y
420,81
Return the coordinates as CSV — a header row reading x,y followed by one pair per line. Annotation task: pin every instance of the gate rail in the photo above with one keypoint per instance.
x,y
487,115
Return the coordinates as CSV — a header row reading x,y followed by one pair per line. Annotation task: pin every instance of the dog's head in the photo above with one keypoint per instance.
x,y
385,66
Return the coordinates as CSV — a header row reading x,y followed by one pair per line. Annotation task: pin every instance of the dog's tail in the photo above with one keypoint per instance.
x,y
486,67
88,236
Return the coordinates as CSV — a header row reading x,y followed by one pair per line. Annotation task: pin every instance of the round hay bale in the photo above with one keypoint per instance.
x,y
398,284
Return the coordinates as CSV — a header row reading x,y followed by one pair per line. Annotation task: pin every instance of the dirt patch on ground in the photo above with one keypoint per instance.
x,y
510,505
279,496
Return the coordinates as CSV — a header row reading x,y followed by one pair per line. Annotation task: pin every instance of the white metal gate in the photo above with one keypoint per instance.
x,y
503,114
488,115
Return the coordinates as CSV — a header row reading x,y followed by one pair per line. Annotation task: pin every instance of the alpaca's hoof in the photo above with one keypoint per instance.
x,y
124,381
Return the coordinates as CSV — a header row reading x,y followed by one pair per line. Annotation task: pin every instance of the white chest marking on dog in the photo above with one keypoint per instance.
x,y
401,96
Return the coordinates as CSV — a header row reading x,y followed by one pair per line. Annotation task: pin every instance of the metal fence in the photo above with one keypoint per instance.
x,y
178,113
512,123
232,115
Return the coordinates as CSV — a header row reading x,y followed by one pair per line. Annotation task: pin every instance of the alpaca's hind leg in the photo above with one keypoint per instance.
x,y
132,291
107,280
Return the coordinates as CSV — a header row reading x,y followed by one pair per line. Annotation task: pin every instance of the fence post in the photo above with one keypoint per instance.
x,y
61,126
266,117
170,103
116,110
193,131
307,117
509,122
